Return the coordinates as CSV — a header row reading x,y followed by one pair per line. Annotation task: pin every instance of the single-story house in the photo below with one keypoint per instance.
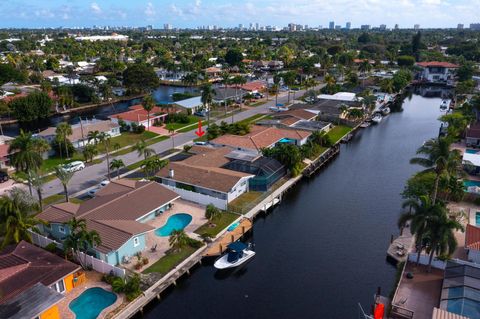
x,y
435,71
33,281
229,93
118,213
331,108
262,137
137,114
194,104
253,86
299,119
79,136
213,73
202,179
472,136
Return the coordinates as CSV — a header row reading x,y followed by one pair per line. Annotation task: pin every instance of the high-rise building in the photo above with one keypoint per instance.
x,y
251,26
475,26
460,26
149,27
416,26
383,27
331,25
348,26
338,27
292,27
257,26
396,26
167,26
365,27
240,26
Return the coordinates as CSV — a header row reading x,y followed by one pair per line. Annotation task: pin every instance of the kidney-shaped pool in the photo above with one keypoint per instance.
x,y
92,302
174,222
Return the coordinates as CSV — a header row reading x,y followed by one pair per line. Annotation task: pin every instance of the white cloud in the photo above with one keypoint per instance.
x,y
95,8
150,10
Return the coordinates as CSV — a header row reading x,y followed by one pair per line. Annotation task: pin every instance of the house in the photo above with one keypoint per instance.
x,y
472,243
435,71
79,136
33,281
331,108
461,288
275,65
202,179
193,104
118,213
262,137
471,163
213,73
4,150
299,119
253,86
223,94
137,114
472,136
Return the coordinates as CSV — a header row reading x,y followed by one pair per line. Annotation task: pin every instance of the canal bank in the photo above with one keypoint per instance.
x,y
322,250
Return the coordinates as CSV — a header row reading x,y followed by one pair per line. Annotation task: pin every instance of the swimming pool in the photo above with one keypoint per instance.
x,y
468,183
174,222
470,151
477,218
92,302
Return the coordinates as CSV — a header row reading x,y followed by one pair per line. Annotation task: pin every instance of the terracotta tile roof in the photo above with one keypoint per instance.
x,y
24,265
215,157
136,113
4,150
252,86
101,126
214,178
290,120
472,237
260,137
213,70
114,212
437,64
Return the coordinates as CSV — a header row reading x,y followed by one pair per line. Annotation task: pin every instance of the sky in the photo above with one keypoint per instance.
x,y
229,13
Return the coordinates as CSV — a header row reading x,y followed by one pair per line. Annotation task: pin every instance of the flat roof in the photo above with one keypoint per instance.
x,y
190,103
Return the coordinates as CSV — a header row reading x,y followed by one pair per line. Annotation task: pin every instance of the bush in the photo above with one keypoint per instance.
x,y
145,260
179,118
124,127
51,247
59,148
194,243
108,278
138,265
140,129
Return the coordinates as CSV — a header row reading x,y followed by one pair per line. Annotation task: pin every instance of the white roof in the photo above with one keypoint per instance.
x,y
444,314
340,96
190,103
472,158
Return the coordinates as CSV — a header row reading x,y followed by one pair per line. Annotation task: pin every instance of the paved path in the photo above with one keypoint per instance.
x,y
92,175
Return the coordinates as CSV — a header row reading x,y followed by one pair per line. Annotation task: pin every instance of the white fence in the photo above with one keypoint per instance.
x,y
95,263
199,198
424,259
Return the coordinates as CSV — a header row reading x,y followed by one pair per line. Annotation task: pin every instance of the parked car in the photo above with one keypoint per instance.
x,y
258,95
200,143
3,177
74,166
103,183
93,191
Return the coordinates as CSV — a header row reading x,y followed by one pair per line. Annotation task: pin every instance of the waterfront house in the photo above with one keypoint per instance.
x,y
262,137
202,179
193,104
4,150
118,213
471,163
213,73
137,114
33,281
436,72
79,136
253,86
223,94
472,135
472,243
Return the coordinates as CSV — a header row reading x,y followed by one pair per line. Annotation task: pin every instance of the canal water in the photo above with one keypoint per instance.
x,y
323,249
162,95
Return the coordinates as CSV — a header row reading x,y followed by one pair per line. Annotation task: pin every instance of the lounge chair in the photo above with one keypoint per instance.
x,y
126,260
154,248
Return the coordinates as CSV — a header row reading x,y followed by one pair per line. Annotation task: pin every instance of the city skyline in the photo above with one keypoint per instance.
x,y
194,13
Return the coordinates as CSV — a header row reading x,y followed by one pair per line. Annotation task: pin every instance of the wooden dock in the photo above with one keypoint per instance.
x,y
219,246
322,160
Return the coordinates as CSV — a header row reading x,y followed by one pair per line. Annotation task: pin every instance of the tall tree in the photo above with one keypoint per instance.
x,y
207,97
64,176
148,105
80,239
117,164
63,131
142,149
105,139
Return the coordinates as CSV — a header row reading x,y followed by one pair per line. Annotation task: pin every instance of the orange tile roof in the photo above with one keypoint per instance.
x,y
437,64
260,137
472,237
136,113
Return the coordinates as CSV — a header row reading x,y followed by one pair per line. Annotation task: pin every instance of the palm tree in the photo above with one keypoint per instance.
x,y
143,150
439,158
386,85
364,67
225,81
441,236
207,97
89,152
153,164
419,215
171,131
63,131
36,181
105,139
27,153
178,239
211,212
276,86
117,164
93,136
79,238
64,177
148,105
16,218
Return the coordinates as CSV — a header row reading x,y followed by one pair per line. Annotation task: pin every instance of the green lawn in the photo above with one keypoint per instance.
x,y
192,119
149,142
58,198
245,200
338,132
127,138
320,150
252,119
221,222
193,127
169,261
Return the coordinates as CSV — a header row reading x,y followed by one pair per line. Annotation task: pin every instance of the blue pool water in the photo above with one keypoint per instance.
x,y
477,218
91,303
470,151
174,222
286,140
468,183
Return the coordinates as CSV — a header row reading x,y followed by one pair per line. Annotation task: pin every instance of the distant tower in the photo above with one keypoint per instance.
x,y
416,27
348,26
460,26
331,25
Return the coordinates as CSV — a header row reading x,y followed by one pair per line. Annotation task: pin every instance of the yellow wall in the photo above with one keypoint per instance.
x,y
68,282
51,313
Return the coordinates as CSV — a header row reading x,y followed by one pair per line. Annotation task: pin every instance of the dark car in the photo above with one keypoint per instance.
x,y
3,177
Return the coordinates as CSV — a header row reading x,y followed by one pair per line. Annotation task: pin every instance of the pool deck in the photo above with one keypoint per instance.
x,y
94,279
181,206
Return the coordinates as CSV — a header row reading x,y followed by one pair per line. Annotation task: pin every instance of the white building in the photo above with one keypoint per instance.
x,y
435,71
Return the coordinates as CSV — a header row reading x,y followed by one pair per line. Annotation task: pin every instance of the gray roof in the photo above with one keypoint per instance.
x,y
190,103
310,125
31,303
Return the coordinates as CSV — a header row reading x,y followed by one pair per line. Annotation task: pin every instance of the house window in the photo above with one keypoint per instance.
x,y
136,242
61,229
59,286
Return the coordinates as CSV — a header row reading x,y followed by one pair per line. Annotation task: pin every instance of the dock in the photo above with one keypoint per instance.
x,y
321,161
219,246
400,247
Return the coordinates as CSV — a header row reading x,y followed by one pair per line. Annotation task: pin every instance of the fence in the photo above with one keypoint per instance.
x,y
95,263
199,198
424,260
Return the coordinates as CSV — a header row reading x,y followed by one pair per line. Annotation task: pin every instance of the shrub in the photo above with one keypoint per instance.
x,y
140,129
138,265
132,287
51,247
124,127
145,260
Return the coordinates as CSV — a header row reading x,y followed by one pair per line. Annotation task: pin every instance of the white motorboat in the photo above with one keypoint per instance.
x,y
377,118
445,104
385,110
238,253
365,124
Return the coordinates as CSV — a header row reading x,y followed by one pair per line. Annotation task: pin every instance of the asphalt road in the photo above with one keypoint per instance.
x,y
92,175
